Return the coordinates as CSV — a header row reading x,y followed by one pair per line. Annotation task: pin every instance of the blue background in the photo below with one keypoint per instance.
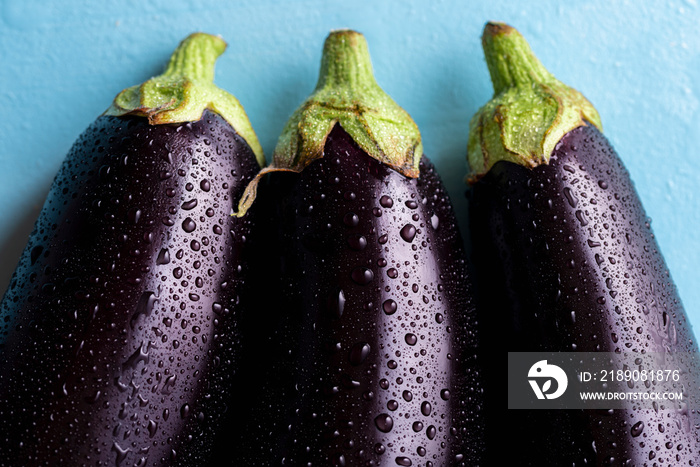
x,y
638,62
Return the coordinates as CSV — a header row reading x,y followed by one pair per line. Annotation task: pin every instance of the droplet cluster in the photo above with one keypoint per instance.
x,y
379,337
119,326
567,261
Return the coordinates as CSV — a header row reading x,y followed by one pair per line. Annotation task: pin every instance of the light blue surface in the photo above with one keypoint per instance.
x,y
638,62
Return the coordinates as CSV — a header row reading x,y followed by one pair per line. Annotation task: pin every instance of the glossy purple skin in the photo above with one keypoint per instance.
x,y
566,261
378,320
120,321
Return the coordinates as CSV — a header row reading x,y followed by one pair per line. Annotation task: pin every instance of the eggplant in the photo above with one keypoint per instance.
x,y
566,261
120,323
374,360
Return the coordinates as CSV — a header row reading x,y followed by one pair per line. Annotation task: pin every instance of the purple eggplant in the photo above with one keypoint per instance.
x,y
566,261
120,323
374,360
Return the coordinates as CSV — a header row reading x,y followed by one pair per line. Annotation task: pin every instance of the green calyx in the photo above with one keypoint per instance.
x,y
185,90
348,94
530,111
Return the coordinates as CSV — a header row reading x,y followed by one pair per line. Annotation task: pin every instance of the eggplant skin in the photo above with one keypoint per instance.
x,y
120,332
566,261
376,346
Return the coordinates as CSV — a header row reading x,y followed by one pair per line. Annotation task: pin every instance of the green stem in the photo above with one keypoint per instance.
x,y
195,58
530,111
346,62
509,58
185,90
